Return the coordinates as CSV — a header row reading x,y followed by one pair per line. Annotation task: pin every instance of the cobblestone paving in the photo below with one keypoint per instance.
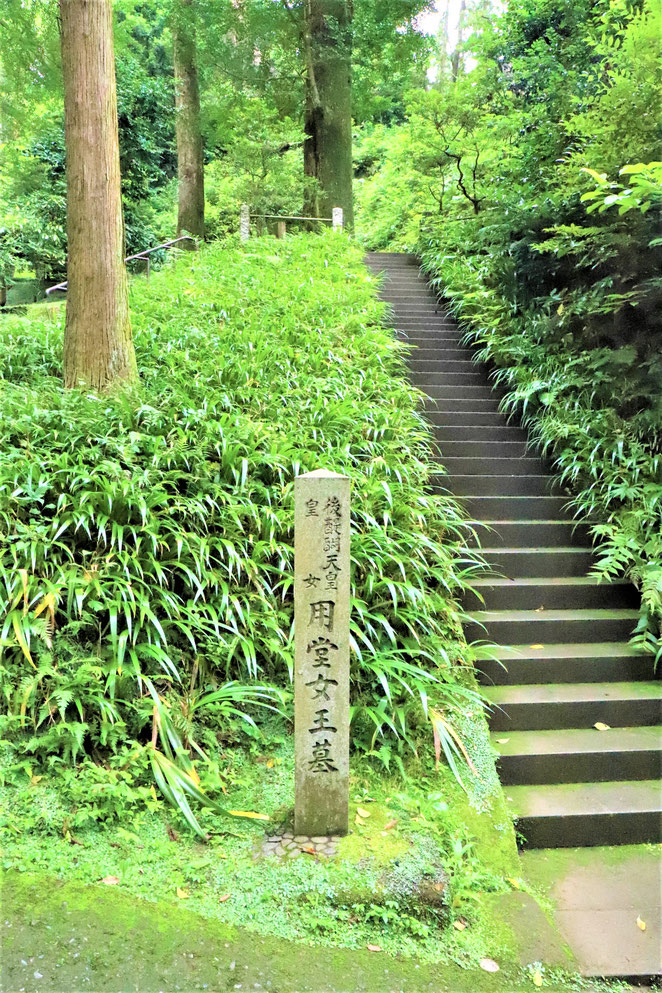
x,y
292,846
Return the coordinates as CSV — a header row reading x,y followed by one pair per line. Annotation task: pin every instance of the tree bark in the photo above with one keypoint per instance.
x,y
191,207
98,346
456,57
328,124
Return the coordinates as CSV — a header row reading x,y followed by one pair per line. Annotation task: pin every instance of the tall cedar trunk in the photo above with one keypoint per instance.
x,y
456,57
98,347
191,209
328,126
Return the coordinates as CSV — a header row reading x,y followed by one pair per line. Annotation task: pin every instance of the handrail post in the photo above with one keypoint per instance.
x,y
244,222
337,218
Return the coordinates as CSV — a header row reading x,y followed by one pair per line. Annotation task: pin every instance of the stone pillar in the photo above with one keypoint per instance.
x,y
244,222
281,229
321,672
337,215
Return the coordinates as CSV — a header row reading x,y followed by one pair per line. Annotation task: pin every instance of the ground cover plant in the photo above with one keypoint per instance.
x,y
147,561
421,854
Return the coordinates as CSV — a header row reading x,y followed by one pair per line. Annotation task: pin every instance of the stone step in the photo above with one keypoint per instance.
x,y
486,418
507,627
406,289
493,465
543,706
420,365
454,393
425,378
484,451
510,562
472,433
464,485
577,755
426,353
481,406
565,815
515,507
428,323
549,593
562,561
421,339
412,308
591,662
531,533
439,338
539,600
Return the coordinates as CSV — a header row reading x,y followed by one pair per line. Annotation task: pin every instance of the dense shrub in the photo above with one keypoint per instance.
x,y
147,536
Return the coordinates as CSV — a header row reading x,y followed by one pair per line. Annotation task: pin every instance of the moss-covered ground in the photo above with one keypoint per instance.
x,y
422,835
69,937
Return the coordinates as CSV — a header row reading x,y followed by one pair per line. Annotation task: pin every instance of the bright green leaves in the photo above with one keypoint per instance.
x,y
644,192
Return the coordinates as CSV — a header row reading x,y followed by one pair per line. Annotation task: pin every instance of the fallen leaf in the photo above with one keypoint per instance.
x,y
249,813
309,849
374,948
537,647
226,896
359,821
513,882
488,965
502,741
270,764
641,924
110,880
172,834
601,727
182,894
537,978
459,925
362,812
390,825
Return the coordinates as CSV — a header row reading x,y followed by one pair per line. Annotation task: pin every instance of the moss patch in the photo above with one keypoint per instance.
x,y
68,936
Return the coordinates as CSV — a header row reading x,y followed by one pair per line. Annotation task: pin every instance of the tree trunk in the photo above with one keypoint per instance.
x,y
328,125
190,173
456,57
98,347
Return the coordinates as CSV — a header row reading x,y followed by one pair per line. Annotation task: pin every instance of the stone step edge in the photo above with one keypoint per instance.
x,y
575,741
523,694
645,796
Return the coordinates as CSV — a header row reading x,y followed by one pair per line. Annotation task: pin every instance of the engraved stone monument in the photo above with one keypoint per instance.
x,y
321,627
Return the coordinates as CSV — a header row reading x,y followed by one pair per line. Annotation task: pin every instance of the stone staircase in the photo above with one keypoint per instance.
x,y
564,661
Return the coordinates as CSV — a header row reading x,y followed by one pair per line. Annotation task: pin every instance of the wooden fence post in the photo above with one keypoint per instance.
x,y
244,222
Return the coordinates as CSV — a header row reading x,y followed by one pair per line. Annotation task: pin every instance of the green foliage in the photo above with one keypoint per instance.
x,y
148,557
644,190
551,267
565,306
374,891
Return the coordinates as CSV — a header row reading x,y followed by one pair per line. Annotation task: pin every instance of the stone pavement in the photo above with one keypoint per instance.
x,y
291,846
598,896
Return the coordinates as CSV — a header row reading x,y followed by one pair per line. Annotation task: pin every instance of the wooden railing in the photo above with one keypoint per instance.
x,y
131,258
245,215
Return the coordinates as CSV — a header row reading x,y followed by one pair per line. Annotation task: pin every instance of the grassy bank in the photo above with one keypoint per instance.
x,y
147,602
